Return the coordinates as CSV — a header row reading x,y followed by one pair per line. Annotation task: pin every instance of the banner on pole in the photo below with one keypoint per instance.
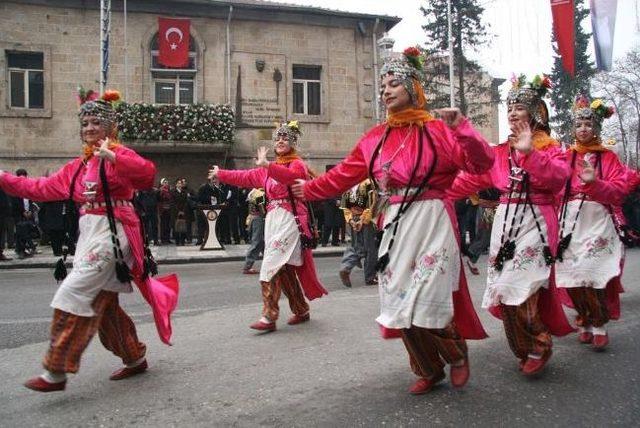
x,y
174,40
563,27
603,23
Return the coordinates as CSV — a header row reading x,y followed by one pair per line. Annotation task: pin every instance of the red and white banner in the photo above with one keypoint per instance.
x,y
174,39
563,27
603,23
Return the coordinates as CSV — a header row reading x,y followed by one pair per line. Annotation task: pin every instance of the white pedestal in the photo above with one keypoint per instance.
x,y
210,239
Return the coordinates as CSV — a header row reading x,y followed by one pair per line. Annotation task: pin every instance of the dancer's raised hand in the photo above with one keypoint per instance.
x,y
261,160
103,152
588,173
451,116
523,138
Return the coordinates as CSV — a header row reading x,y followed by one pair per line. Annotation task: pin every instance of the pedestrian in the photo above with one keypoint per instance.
x,y
51,218
257,206
590,253
109,254
356,205
165,208
288,264
487,201
333,219
529,170
5,215
24,218
411,159
148,203
182,212
209,195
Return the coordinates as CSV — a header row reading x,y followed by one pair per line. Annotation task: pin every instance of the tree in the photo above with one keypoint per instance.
x,y
621,88
566,88
474,90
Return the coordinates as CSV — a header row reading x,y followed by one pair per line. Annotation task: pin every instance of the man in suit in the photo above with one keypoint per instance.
x,y
24,215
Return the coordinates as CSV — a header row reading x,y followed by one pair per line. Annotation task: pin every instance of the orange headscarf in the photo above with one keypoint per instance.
x,y
414,115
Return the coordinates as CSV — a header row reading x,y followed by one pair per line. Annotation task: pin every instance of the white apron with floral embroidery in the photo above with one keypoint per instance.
x,y
595,251
93,267
424,268
281,243
523,275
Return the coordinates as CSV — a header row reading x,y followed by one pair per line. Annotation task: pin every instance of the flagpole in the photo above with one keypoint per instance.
x,y
450,32
126,58
105,29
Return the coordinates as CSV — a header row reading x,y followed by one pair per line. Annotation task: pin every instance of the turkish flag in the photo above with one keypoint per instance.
x,y
563,27
174,40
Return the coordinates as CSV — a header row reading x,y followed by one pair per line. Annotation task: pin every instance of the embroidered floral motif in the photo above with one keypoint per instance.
x,y
527,256
587,283
598,246
280,245
94,260
429,264
385,279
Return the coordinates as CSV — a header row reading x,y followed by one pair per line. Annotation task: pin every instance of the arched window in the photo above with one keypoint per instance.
x,y
174,85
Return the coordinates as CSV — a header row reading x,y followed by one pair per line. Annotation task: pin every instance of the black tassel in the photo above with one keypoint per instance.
x,y
60,272
122,272
562,246
382,263
150,264
548,257
509,250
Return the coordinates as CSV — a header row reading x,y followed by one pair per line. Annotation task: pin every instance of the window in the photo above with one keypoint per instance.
x,y
306,89
174,85
26,79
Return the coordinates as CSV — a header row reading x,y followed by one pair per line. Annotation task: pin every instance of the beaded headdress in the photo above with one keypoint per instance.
x,y
406,68
290,130
595,111
103,107
530,94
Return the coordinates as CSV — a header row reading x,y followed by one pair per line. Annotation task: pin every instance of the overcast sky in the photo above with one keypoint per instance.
x,y
521,32
521,29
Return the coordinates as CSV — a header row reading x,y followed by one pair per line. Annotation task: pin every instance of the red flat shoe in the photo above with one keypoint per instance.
x,y
250,271
600,342
521,364
472,267
41,385
535,365
585,337
459,374
126,372
298,319
424,385
263,326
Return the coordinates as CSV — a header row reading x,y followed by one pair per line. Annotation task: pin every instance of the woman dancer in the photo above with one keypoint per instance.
x,y
109,254
412,159
288,263
590,254
529,170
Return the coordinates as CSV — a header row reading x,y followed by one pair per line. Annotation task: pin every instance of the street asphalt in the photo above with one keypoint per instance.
x,y
334,371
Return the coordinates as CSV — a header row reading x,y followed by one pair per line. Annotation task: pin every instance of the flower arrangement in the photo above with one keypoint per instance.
x,y
183,122
540,83
602,110
85,95
414,56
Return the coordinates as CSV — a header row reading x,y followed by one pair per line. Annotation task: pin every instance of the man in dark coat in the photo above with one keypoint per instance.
x,y
5,215
51,220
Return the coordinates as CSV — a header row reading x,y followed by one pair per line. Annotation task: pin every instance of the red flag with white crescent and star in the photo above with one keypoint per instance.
x,y
174,39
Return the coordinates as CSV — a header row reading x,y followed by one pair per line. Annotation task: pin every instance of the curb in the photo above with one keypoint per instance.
x,y
176,261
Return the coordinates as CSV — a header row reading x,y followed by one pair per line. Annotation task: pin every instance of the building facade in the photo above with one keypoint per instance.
x,y
267,61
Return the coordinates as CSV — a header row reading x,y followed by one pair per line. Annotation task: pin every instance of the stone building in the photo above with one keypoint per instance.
x,y
266,60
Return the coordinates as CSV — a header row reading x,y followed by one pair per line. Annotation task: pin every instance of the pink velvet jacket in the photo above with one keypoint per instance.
x,y
548,172
129,172
276,180
464,148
